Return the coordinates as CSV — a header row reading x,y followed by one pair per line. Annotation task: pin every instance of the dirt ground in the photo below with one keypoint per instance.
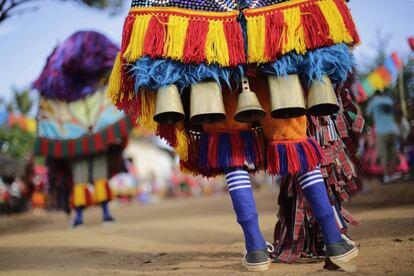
x,y
197,236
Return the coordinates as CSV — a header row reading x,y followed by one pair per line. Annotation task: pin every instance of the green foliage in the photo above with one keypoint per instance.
x,y
16,143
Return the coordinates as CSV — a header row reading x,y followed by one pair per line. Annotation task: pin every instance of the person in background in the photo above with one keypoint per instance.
x,y
381,109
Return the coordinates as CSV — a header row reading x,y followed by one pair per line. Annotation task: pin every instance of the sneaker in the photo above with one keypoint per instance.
x,y
76,224
257,261
341,254
108,220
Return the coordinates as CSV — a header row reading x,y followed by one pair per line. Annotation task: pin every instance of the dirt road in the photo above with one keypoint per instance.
x,y
196,236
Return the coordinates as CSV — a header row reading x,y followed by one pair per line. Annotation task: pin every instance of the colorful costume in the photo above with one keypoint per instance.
x,y
76,121
210,51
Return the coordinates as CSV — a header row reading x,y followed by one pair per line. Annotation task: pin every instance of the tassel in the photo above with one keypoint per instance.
x,y
316,27
154,39
175,39
295,34
136,44
275,25
256,36
238,151
292,158
235,42
337,30
349,22
273,159
213,153
195,42
167,132
203,151
115,80
302,158
147,111
126,34
216,44
224,151
182,143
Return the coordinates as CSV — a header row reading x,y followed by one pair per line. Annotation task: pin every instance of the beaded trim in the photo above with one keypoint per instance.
x,y
212,5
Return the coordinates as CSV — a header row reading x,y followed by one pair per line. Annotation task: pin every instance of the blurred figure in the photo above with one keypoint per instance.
x,y
380,108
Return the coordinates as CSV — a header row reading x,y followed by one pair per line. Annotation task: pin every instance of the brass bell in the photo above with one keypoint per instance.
x,y
286,97
249,109
168,106
322,99
206,103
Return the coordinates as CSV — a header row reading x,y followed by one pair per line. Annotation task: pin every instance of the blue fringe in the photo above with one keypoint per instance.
x,y
249,145
304,166
284,167
315,147
203,151
285,65
336,62
224,151
156,73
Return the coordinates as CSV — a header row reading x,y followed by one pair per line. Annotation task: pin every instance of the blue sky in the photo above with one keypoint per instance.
x,y
27,40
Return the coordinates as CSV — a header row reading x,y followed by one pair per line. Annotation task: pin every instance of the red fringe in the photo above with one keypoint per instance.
x,y
213,143
167,132
349,22
99,143
58,149
237,152
275,24
195,43
312,154
127,30
154,39
235,42
315,26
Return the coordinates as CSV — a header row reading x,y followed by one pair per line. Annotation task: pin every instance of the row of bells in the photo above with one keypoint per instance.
x,y
286,97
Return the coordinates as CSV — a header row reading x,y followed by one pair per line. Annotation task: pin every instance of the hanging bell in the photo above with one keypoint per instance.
x,y
168,106
286,97
249,109
322,99
206,103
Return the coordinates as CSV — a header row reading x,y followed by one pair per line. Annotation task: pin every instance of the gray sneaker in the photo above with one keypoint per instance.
x,y
341,254
257,261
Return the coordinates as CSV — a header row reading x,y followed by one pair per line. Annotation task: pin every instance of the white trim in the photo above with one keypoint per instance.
x,y
240,187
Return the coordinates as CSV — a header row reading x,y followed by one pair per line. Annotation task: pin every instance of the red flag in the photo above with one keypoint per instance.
x,y
411,42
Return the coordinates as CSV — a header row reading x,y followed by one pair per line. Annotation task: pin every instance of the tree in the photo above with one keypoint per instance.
x,y
10,8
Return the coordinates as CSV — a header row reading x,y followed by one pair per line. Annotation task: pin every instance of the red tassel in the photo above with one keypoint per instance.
x,y
235,42
293,158
237,152
315,26
127,30
71,148
44,145
85,145
311,155
123,128
347,17
273,159
275,24
155,38
195,43
213,142
110,134
167,132
58,149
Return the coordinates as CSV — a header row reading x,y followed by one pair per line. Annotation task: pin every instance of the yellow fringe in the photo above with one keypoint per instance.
x,y
114,85
79,194
100,193
136,43
256,37
176,34
295,33
217,50
147,110
182,142
337,29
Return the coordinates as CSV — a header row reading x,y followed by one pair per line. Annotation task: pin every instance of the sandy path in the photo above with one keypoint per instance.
x,y
196,236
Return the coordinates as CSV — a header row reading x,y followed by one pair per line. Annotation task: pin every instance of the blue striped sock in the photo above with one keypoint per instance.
x,y
244,205
313,188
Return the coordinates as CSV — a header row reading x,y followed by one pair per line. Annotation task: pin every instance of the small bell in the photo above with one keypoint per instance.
x,y
168,106
249,109
286,97
322,99
206,103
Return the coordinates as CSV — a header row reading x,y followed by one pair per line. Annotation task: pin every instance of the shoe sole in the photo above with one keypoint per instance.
x,y
256,267
343,261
